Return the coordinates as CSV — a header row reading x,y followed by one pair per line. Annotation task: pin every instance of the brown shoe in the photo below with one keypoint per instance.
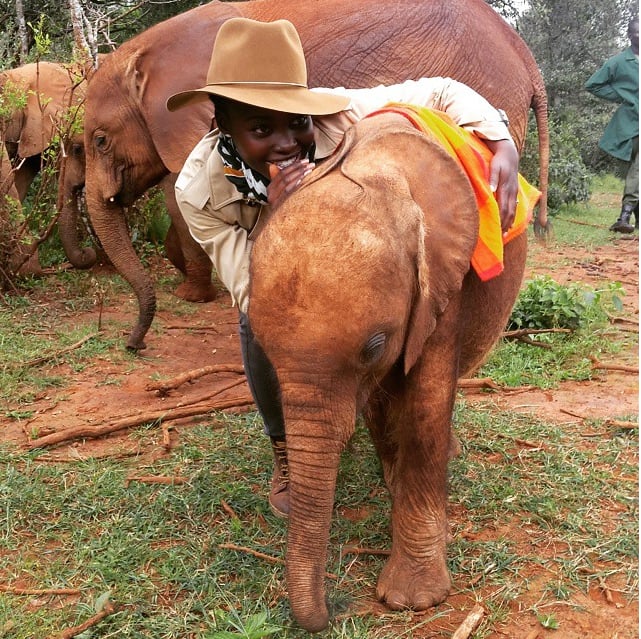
x,y
279,494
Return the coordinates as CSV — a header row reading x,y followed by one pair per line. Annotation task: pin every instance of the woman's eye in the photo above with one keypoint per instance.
x,y
301,122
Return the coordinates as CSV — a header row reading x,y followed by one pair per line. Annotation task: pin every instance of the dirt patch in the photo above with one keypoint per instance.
x,y
108,391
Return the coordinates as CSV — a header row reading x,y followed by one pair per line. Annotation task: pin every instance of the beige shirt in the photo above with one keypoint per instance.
x,y
225,224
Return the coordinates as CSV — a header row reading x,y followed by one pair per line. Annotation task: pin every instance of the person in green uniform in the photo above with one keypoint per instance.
x,y
618,81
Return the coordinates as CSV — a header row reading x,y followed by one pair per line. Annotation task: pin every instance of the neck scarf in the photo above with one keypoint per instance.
x,y
250,183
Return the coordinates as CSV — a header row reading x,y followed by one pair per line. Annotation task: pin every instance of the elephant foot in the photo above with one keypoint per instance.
x,y
196,292
404,583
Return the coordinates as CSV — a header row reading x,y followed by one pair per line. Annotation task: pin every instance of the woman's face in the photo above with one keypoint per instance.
x,y
264,137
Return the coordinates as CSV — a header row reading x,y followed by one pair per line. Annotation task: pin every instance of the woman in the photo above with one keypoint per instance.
x,y
271,129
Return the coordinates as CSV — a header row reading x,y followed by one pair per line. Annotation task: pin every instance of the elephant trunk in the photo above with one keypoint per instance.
x,y
80,257
109,222
313,466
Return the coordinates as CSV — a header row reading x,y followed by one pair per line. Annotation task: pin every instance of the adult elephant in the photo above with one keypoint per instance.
x,y
133,141
49,99
363,299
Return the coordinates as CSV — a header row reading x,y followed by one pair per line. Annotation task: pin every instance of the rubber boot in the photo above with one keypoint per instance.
x,y
622,225
635,212
279,493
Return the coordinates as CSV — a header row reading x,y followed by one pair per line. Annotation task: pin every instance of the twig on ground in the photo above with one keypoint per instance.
x,y
13,590
262,555
98,430
45,358
162,388
613,367
617,423
69,633
623,320
228,509
478,382
470,624
522,332
358,550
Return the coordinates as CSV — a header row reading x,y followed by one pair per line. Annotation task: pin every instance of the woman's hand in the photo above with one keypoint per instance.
x,y
504,170
285,181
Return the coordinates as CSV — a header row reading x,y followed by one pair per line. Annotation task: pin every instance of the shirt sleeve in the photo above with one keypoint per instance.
x,y
601,84
227,245
464,105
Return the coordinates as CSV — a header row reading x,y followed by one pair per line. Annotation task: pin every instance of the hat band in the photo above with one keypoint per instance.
x,y
258,84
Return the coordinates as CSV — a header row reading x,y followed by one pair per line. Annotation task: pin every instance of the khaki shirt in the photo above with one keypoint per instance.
x,y
225,224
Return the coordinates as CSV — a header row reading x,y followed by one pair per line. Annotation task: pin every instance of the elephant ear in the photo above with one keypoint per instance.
x,y
174,58
436,202
49,96
447,236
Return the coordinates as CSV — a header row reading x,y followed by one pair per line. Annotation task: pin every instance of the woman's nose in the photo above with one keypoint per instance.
x,y
286,141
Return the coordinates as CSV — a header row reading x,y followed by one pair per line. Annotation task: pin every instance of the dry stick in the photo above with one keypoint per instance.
x,y
610,422
359,550
262,555
470,624
522,332
573,221
613,367
163,387
12,590
69,633
228,509
480,382
87,431
41,360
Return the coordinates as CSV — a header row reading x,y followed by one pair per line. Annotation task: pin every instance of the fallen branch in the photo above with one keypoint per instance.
x,y
92,431
14,590
44,358
470,624
228,509
596,364
522,332
69,633
573,221
357,550
616,423
478,382
262,555
162,388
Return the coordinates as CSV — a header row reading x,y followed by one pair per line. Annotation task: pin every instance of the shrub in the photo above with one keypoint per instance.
x,y
544,303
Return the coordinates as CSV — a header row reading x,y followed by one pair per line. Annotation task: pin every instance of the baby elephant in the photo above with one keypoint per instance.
x,y
363,298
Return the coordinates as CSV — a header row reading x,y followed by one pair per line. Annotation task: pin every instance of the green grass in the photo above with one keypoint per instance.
x,y
156,548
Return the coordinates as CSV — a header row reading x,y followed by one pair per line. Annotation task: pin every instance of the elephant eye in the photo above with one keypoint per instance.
x,y
373,349
100,141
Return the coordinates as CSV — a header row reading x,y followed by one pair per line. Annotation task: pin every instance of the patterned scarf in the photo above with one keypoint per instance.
x,y
251,184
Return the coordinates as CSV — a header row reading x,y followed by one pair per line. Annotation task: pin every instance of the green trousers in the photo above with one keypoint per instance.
x,y
631,188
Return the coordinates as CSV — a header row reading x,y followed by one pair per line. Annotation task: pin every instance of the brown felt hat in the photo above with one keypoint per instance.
x,y
262,64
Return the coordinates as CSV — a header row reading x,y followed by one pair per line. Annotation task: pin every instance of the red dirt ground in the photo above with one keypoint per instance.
x,y
208,336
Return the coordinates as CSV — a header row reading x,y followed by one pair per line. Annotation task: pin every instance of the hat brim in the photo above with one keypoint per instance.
x,y
288,99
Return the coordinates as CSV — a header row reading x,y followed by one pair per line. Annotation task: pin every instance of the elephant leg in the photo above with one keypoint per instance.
x,y
185,254
25,175
411,428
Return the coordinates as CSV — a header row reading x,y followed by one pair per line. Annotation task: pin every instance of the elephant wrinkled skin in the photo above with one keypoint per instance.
x,y
54,97
363,298
132,141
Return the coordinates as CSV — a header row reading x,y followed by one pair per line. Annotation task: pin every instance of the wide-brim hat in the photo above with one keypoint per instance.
x,y
262,64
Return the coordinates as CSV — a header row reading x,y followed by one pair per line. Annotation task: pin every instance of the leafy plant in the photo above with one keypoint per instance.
x,y
544,303
255,627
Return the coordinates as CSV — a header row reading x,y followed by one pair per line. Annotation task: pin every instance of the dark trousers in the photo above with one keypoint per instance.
x,y
262,380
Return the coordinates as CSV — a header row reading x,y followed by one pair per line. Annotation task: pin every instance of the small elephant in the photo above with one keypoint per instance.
x,y
132,140
363,298
55,95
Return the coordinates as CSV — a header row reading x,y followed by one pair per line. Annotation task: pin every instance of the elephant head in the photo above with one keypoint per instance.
x,y
363,299
54,94
132,140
